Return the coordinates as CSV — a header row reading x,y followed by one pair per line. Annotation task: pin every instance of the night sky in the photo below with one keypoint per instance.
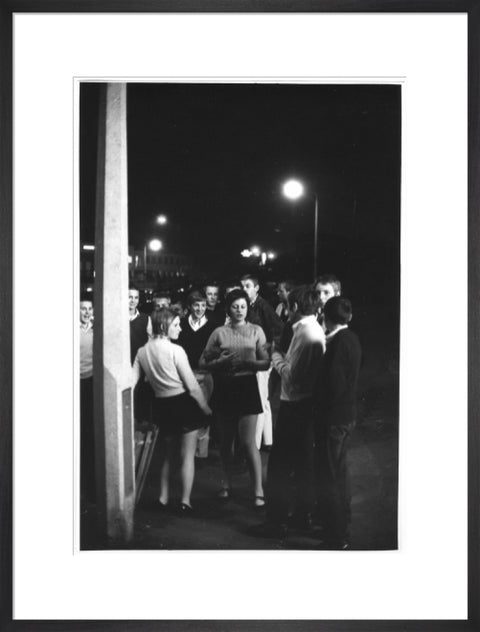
x,y
213,158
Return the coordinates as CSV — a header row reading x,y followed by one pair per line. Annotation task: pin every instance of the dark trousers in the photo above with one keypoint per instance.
x,y
333,489
87,441
292,452
142,401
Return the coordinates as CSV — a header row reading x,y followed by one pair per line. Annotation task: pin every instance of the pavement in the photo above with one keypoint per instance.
x,y
372,461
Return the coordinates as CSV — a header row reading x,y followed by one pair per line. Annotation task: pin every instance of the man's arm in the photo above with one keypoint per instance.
x,y
271,323
297,366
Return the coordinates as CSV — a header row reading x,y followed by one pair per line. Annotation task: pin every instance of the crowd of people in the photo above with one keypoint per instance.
x,y
217,361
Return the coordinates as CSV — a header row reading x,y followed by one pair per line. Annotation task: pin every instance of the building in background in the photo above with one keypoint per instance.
x,y
149,271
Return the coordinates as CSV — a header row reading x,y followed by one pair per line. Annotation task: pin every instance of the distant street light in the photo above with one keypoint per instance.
x,y
293,189
256,252
154,245
161,219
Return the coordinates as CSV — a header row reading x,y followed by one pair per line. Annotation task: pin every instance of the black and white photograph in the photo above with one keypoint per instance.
x,y
265,217
239,315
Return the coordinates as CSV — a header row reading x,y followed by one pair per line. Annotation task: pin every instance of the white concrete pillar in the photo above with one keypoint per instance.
x,y
112,373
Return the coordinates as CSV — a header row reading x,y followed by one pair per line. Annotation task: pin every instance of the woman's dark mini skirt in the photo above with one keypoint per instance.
x,y
236,395
178,414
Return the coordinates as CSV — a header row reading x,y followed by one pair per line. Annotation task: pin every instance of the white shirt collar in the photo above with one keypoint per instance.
x,y
197,324
330,335
304,321
135,315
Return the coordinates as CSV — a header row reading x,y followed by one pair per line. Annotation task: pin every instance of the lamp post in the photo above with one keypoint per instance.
x,y
154,245
293,189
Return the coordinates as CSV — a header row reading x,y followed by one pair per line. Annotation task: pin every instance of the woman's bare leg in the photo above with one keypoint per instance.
x,y
188,445
247,431
166,449
227,428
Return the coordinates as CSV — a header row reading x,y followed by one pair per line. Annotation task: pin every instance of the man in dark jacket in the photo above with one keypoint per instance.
x,y
335,412
140,331
140,325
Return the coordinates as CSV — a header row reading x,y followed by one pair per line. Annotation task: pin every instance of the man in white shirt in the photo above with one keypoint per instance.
x,y
196,330
87,441
293,448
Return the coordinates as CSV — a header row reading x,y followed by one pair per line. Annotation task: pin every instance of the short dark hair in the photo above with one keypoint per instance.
x,y
162,319
338,310
195,296
211,283
178,307
251,277
86,296
331,279
306,298
233,283
132,286
233,296
162,294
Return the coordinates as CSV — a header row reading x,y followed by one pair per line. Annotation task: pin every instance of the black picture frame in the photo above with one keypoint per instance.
x,y
7,11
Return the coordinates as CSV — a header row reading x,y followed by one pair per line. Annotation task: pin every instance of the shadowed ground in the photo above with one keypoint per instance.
x,y
373,460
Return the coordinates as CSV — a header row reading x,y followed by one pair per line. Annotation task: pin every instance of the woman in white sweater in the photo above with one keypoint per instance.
x,y
234,353
179,408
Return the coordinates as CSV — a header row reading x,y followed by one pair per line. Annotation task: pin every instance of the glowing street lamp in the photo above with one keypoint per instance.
x,y
293,190
155,245
161,219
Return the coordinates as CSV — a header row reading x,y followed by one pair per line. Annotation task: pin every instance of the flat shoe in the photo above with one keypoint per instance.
x,y
259,502
186,510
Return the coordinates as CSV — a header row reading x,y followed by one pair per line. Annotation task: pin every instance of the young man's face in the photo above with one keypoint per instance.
x,y
198,309
251,289
163,301
326,291
133,299
282,293
211,292
86,312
